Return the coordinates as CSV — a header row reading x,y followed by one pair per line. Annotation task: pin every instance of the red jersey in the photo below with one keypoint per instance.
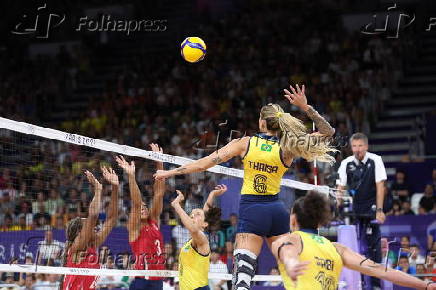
x,y
148,249
88,259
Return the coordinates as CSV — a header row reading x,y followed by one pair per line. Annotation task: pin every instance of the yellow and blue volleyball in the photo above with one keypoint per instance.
x,y
193,49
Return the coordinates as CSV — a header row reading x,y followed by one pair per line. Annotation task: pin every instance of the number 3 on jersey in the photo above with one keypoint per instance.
x,y
158,247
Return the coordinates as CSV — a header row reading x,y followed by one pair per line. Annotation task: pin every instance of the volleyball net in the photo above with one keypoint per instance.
x,y
43,187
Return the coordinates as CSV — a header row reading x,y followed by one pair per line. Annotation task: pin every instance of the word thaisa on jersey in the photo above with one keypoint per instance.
x,y
263,167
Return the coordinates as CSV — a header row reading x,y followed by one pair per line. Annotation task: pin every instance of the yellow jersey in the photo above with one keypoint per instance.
x,y
193,268
325,268
263,166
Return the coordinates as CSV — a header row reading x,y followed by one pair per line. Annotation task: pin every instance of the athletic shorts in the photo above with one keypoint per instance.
x,y
142,284
203,288
265,216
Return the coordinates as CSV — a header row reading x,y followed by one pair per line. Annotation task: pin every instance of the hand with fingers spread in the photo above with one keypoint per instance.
x,y
128,168
219,190
95,205
297,97
178,199
156,148
110,175
295,268
94,182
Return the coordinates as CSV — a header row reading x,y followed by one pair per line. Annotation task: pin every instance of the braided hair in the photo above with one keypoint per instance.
x,y
293,135
74,227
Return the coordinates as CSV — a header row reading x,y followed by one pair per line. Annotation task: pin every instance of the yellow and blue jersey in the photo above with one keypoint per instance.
x,y
325,268
263,166
260,210
193,268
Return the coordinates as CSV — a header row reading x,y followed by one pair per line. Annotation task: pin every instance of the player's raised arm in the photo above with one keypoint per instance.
x,y
158,189
218,191
357,262
196,230
85,235
112,215
233,148
298,98
134,221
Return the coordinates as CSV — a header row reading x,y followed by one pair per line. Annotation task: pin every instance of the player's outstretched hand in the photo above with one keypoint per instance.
x,y
94,182
178,199
128,168
297,97
219,190
162,174
156,148
110,175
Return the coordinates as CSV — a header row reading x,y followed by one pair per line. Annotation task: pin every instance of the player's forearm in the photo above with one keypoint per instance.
x,y
159,165
135,193
158,194
400,278
113,205
95,205
209,202
186,220
323,126
197,166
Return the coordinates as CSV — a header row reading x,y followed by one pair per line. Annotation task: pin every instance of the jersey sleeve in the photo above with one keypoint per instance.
x,y
380,170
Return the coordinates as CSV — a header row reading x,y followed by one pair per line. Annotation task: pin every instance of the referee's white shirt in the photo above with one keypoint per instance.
x,y
380,170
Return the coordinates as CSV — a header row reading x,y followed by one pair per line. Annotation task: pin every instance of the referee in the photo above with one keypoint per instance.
x,y
363,174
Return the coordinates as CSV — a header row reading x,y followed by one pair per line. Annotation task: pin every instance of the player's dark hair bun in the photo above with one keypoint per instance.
x,y
213,217
312,210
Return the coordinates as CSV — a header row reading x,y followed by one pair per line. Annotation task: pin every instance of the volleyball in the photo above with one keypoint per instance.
x,y
193,49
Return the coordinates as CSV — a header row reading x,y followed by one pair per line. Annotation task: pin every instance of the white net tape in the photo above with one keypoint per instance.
x,y
27,128
112,272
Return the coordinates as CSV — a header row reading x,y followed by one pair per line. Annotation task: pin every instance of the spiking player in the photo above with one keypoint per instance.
x,y
266,157
145,238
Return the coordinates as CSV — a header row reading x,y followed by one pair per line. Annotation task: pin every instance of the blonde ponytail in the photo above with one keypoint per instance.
x,y
294,138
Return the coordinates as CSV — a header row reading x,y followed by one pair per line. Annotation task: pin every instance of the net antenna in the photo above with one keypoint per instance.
x,y
315,167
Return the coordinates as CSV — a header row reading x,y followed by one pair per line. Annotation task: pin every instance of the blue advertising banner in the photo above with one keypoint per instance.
x,y
19,243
